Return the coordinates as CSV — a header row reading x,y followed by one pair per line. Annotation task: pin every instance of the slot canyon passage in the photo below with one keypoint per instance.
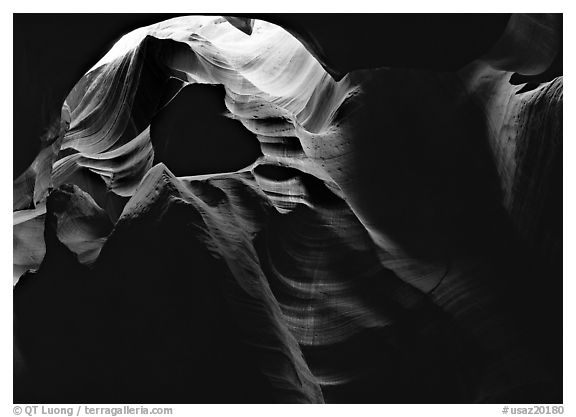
x,y
288,208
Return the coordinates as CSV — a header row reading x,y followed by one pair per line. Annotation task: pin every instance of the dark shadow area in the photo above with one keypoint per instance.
x,y
425,354
556,69
426,178
347,42
317,192
93,184
421,356
153,322
192,136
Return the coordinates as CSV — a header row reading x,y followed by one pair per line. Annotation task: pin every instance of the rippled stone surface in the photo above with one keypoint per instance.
x,y
373,250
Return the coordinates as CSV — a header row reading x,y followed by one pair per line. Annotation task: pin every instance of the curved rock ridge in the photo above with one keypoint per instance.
x,y
524,125
224,221
259,84
369,254
130,84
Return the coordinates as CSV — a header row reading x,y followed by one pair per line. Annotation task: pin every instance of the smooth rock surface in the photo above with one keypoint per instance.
x,y
389,237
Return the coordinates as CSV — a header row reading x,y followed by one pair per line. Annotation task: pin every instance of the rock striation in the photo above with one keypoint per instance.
x,y
374,249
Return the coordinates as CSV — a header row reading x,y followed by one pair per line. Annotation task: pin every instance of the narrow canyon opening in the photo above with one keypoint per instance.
x,y
193,136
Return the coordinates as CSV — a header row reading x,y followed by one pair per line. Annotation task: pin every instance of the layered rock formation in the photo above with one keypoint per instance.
x,y
385,238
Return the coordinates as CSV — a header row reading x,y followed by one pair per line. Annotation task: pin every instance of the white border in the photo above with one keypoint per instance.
x,y
269,6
